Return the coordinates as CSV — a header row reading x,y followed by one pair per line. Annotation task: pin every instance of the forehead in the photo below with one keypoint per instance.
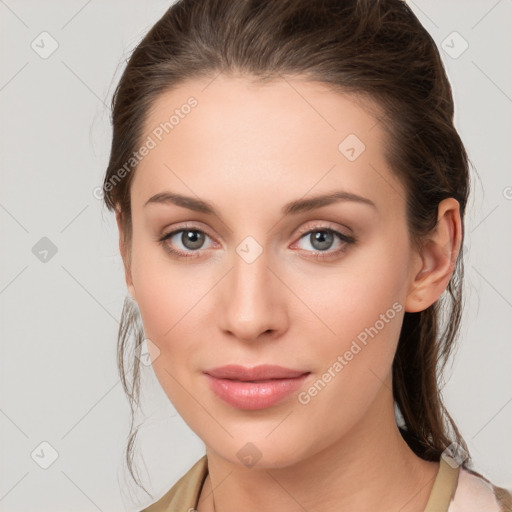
x,y
243,113
290,132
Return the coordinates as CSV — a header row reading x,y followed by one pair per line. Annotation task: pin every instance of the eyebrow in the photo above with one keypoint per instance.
x,y
291,208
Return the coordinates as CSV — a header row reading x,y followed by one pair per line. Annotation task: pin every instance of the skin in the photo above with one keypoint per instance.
x,y
249,149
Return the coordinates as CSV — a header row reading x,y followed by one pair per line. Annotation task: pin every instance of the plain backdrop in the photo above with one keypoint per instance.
x,y
61,280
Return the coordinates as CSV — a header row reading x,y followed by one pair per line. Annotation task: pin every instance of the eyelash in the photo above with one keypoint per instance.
x,y
319,255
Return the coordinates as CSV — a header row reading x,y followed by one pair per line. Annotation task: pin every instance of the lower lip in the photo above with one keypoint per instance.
x,y
254,395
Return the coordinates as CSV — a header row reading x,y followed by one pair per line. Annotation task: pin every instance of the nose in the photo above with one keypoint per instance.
x,y
253,301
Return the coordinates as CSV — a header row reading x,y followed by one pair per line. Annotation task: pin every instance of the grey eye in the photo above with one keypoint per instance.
x,y
192,238
321,239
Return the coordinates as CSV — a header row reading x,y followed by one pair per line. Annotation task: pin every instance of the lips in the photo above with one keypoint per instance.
x,y
259,387
257,373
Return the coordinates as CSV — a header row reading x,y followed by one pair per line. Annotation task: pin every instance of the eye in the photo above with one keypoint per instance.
x,y
184,242
188,242
322,238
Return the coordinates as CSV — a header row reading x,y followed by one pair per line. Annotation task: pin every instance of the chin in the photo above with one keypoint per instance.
x,y
260,452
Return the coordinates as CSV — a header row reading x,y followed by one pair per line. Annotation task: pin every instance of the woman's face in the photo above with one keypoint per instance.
x,y
269,278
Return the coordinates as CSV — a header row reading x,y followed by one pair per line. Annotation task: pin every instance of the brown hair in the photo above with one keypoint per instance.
x,y
374,48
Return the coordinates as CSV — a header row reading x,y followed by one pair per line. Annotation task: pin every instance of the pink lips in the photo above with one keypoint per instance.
x,y
254,388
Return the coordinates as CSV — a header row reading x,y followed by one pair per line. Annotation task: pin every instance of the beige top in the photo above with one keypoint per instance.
x,y
454,490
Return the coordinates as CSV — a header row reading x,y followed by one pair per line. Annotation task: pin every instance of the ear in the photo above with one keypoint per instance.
x,y
436,260
125,254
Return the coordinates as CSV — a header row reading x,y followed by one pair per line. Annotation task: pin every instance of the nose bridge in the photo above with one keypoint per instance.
x,y
253,301
251,274
251,277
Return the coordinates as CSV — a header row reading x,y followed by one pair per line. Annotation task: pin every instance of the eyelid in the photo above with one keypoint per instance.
x,y
183,227
324,225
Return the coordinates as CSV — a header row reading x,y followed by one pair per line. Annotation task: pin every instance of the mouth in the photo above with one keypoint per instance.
x,y
257,373
254,388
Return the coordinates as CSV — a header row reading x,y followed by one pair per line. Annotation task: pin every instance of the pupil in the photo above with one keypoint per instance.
x,y
322,240
192,239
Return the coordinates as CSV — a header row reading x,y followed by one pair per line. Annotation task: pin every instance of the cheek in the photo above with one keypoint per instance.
x,y
356,355
170,308
165,291
352,366
175,303
351,298
362,308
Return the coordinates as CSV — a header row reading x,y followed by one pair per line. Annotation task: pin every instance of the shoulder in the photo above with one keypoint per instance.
x,y
184,494
476,493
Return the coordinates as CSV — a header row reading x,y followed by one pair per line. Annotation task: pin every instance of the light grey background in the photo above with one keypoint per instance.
x,y
59,318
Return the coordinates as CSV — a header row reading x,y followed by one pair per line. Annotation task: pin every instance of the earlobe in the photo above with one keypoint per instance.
x,y
123,249
437,258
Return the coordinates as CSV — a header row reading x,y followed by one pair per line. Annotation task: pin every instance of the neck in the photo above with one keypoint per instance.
x,y
369,468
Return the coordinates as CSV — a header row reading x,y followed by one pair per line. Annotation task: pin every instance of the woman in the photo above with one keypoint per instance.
x,y
290,192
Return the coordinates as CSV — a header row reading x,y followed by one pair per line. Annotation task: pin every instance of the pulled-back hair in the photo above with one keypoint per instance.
x,y
374,48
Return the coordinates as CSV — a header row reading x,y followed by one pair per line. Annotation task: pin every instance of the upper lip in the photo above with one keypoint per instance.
x,y
261,372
